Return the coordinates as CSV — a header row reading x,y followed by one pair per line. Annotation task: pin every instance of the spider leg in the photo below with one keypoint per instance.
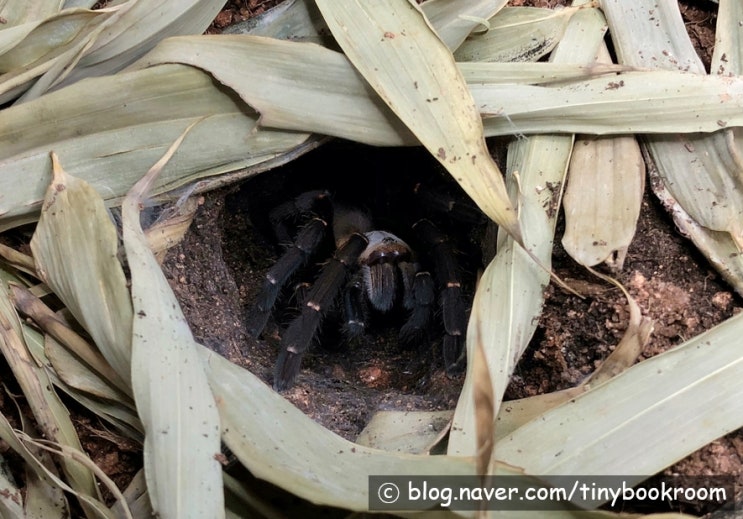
x,y
355,309
308,239
453,305
304,204
408,271
422,298
320,298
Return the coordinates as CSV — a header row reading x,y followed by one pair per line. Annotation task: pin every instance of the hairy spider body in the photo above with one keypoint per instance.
x,y
370,271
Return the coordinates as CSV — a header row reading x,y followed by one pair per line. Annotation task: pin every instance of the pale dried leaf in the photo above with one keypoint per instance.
x,y
414,432
75,224
603,199
719,248
515,413
644,419
727,55
510,294
454,21
260,428
704,173
484,402
107,129
41,492
517,34
50,413
178,411
390,43
136,27
11,500
18,13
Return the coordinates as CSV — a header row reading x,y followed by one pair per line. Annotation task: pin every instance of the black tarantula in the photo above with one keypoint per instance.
x,y
370,271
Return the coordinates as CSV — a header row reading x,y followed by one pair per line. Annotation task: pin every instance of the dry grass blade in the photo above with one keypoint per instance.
x,y
484,402
517,34
721,251
41,492
67,46
178,411
703,173
660,410
31,45
309,88
634,102
542,73
18,13
109,128
454,21
43,316
98,126
603,199
727,56
48,410
75,224
78,375
414,432
94,507
18,260
11,500
136,497
391,44
510,294
169,231
727,60
138,26
46,54
305,87
515,413
80,382
260,427
74,454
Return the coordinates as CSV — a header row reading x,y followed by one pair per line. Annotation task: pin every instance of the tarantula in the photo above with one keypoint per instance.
x,y
370,271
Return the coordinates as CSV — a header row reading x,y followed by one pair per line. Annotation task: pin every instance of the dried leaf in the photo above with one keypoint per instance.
x,y
644,419
510,294
50,413
484,403
75,224
603,199
704,173
517,34
390,43
174,401
414,432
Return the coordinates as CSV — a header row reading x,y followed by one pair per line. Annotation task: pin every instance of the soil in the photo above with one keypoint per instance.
x,y
217,270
